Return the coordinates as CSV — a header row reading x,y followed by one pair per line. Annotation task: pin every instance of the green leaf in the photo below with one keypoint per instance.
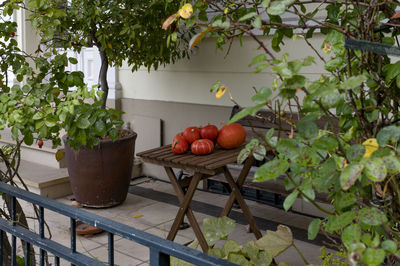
x,y
81,137
290,199
265,3
216,252
349,175
100,128
37,116
373,256
83,122
313,229
326,174
259,152
276,242
243,155
325,143
276,8
307,157
50,122
353,82
355,152
28,139
260,68
269,133
256,255
73,61
372,216
247,16
230,246
215,229
389,245
392,71
344,200
337,223
392,164
271,170
290,148
258,59
375,169
113,133
238,259
351,235
387,134
257,23
307,127
262,96
245,112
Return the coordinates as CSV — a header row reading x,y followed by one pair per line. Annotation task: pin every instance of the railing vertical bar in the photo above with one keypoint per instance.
x,y
13,239
1,246
158,258
73,234
27,253
41,232
110,249
56,261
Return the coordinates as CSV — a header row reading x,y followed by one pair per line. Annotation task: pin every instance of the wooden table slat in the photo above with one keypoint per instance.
x,y
149,152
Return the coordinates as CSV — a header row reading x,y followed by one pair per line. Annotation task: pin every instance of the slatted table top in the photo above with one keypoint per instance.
x,y
206,164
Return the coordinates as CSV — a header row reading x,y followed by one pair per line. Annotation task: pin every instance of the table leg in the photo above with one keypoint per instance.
x,y
240,181
184,208
235,194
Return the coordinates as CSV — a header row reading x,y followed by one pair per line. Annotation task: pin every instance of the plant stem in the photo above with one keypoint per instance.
x,y
301,254
307,197
103,77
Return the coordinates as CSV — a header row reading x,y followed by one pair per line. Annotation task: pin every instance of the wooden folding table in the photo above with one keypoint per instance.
x,y
203,167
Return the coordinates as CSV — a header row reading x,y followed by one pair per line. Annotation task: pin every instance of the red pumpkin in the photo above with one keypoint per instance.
x,y
231,136
191,134
179,144
209,132
202,147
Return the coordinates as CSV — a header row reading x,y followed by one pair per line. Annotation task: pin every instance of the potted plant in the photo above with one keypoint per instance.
x,y
356,162
32,93
123,31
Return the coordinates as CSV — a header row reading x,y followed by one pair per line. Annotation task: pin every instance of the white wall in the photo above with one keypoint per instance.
x,y
189,81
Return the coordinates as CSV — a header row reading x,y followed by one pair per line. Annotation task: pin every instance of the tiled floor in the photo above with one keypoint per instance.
x,y
156,218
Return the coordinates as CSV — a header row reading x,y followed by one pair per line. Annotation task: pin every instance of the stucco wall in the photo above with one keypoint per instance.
x,y
189,81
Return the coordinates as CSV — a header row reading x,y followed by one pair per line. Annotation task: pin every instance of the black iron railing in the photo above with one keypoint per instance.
x,y
160,249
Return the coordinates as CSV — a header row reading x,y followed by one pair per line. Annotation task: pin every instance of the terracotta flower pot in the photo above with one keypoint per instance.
x,y
100,176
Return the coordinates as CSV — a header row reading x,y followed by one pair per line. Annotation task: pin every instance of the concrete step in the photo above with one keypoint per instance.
x,y
44,180
44,156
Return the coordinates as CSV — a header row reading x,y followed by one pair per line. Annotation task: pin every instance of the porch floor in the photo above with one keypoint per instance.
x,y
151,206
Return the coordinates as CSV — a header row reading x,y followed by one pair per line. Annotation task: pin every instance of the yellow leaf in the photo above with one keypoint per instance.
x,y
327,47
169,21
197,38
220,92
370,145
109,45
60,155
186,11
137,216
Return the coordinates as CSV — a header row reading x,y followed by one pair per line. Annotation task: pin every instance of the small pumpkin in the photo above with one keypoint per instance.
x,y
202,147
191,134
231,136
179,144
209,132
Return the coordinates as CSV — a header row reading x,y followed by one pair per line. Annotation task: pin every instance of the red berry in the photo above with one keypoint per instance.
x,y
12,34
40,143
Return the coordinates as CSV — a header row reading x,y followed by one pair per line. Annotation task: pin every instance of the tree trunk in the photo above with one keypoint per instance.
x,y
103,77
